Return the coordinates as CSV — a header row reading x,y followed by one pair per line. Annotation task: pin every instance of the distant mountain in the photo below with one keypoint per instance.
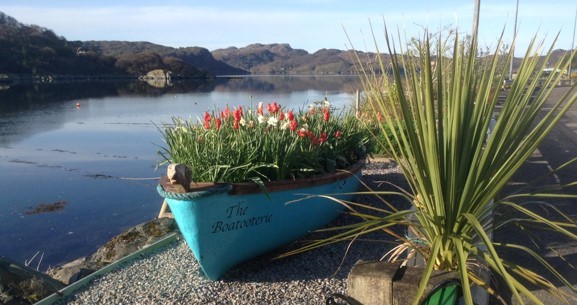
x,y
282,59
252,59
8,21
198,57
30,49
556,55
34,51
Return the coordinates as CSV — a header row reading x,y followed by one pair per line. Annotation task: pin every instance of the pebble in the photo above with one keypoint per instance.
x,y
172,276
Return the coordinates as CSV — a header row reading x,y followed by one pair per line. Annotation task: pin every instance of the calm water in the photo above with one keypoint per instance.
x,y
72,177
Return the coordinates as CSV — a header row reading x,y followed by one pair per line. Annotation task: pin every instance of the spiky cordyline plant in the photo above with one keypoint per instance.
x,y
454,167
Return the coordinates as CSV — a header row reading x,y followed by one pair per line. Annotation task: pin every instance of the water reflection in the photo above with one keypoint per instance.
x,y
21,97
28,96
67,149
284,84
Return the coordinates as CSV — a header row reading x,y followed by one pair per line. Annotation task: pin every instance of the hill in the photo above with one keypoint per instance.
x,y
198,57
283,59
35,50
31,51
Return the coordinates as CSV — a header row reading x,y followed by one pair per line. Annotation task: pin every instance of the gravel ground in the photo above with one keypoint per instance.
x,y
172,275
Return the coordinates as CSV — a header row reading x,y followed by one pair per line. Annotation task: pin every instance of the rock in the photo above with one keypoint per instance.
x,y
133,239
127,242
22,285
73,271
158,78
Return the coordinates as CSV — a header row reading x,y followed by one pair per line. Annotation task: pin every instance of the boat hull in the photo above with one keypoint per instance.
x,y
225,225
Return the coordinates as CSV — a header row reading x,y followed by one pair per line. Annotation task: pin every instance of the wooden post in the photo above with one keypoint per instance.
x,y
163,211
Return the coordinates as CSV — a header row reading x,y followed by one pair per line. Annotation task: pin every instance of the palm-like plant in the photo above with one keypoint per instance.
x,y
454,167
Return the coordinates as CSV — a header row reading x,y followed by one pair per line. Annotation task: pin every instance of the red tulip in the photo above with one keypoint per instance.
x,y
237,113
207,119
323,138
237,116
273,108
313,138
226,113
326,114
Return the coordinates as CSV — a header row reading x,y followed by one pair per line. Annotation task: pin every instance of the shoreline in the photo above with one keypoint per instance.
x,y
14,79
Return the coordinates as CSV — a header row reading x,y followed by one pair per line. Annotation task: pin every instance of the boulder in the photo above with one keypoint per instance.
x,y
22,285
132,240
127,242
73,271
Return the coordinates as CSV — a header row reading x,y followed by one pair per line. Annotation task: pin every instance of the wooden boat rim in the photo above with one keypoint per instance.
x,y
272,186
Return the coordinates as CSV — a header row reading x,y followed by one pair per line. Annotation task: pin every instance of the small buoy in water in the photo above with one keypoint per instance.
x,y
77,105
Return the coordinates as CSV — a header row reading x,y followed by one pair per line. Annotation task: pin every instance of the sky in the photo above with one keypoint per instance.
x,y
304,24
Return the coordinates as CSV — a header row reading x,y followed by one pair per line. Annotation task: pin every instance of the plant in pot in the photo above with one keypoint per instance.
x,y
458,145
242,165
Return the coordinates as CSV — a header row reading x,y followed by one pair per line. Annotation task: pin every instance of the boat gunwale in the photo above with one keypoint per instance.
x,y
244,188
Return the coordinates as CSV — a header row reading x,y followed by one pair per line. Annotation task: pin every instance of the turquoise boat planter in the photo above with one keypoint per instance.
x,y
226,224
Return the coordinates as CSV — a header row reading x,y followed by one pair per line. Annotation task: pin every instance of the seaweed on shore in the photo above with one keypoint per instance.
x,y
42,208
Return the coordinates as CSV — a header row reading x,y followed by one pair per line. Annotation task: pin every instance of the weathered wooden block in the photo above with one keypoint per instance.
x,y
384,283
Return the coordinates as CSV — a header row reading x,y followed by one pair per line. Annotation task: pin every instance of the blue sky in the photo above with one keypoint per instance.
x,y
304,24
